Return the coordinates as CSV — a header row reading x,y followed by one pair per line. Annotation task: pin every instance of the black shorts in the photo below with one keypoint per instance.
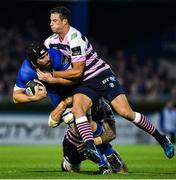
x,y
71,154
104,85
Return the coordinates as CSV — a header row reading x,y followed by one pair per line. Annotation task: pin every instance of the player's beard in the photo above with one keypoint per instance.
x,y
46,67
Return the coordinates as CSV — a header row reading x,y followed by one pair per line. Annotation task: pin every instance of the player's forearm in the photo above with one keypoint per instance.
x,y
23,98
57,112
75,72
70,73
62,81
109,128
107,136
55,115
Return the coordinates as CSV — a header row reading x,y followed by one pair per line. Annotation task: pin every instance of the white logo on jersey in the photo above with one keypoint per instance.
x,y
110,78
111,85
105,81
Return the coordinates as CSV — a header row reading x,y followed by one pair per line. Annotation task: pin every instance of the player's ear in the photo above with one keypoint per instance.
x,y
65,21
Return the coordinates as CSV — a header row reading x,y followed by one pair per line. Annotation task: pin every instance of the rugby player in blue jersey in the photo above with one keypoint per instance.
x,y
39,57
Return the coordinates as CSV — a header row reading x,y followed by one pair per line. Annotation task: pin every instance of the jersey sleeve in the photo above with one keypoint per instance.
x,y
25,74
59,60
47,42
77,47
50,40
20,83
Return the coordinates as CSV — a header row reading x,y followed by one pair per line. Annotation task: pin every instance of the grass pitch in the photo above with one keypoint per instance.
x,y
43,162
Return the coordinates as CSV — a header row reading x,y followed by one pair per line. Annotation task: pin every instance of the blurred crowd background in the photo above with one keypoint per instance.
x,y
138,40
136,37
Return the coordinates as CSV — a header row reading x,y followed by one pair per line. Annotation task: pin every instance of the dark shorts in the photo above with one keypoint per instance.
x,y
103,85
71,154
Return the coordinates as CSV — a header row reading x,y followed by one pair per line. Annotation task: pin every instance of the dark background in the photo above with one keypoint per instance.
x,y
146,29
116,23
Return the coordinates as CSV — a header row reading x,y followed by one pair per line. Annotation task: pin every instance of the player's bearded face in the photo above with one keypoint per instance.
x,y
44,63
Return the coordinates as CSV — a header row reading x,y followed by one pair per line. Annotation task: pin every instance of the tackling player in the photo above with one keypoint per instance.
x,y
98,80
103,131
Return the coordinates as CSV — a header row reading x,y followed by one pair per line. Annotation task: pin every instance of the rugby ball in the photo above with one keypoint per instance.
x,y
30,86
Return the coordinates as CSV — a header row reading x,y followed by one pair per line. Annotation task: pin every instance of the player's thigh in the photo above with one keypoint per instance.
x,y
122,107
81,102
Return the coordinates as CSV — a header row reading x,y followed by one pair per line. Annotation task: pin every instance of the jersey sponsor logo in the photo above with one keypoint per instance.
x,y
112,78
76,51
111,85
73,36
66,59
109,79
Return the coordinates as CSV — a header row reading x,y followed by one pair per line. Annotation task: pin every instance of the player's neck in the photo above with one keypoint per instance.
x,y
64,33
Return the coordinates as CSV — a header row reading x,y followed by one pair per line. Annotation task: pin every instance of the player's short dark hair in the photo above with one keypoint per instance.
x,y
63,11
35,51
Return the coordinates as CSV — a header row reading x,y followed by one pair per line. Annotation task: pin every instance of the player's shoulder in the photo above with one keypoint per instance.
x,y
27,69
48,40
26,64
53,36
54,53
74,34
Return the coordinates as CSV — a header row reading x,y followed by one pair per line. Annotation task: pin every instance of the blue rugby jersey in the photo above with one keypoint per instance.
x,y
27,72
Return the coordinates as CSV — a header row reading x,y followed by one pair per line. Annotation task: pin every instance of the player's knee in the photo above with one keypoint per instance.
x,y
77,111
128,114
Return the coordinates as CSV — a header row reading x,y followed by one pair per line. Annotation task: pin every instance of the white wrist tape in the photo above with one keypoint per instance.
x,y
51,122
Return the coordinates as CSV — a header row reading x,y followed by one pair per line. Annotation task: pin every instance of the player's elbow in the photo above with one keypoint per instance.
x,y
14,98
16,102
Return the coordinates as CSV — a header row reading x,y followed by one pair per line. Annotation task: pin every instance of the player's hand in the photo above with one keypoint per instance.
x,y
40,92
97,140
44,76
